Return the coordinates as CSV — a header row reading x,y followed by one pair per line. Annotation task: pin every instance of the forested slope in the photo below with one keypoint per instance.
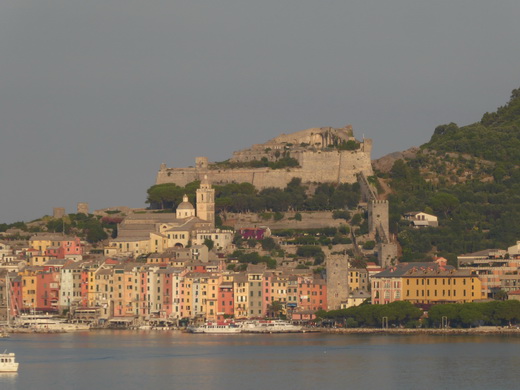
x,y
470,178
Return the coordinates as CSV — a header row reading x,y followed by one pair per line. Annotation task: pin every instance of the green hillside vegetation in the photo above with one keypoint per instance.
x,y
495,138
281,163
470,178
90,227
244,197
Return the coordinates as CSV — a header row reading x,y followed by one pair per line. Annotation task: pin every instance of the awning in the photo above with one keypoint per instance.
x,y
121,320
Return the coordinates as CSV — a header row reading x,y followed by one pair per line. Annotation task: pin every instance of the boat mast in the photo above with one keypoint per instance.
x,y
8,307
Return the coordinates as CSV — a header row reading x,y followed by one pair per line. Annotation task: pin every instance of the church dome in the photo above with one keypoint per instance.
x,y
185,205
185,209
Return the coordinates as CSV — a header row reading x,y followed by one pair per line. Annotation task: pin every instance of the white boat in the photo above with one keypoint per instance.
x,y
270,326
217,328
48,322
8,362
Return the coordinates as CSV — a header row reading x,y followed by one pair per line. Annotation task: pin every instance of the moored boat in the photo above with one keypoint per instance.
x,y
216,327
8,362
271,326
48,322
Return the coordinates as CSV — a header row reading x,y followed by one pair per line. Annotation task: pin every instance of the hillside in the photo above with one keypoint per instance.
x,y
469,177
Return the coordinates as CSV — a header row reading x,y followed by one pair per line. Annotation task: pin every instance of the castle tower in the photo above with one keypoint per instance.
x,y
206,201
337,281
82,208
378,218
58,212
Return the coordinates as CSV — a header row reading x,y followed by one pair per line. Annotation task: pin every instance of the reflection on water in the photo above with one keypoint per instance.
x,y
171,360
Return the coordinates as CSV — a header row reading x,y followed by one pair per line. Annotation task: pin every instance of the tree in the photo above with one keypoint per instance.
x,y
268,244
500,295
275,308
356,219
95,231
444,203
311,251
164,195
209,243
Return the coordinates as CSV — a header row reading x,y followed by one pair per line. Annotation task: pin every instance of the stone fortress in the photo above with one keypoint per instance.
x,y
320,154
324,155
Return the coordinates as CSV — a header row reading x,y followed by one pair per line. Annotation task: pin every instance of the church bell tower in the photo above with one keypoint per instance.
x,y
206,201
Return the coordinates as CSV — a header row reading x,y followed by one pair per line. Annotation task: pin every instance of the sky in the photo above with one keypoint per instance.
x,y
95,95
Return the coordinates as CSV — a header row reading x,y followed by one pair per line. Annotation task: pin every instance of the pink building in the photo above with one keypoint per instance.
x,y
69,246
253,233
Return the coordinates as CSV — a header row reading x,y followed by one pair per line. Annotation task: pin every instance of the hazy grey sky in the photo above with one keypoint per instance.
x,y
95,95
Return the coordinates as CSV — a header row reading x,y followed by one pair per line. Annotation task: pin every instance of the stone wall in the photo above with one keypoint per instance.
x,y
336,166
318,162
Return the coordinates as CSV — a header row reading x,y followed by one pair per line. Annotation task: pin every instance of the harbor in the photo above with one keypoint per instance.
x,y
128,359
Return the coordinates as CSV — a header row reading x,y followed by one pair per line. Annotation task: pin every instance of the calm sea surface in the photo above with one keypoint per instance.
x,y
170,360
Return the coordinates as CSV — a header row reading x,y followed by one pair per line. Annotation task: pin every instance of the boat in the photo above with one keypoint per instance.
x,y
8,362
216,328
271,326
48,322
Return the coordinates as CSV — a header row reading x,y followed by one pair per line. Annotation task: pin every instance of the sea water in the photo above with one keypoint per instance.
x,y
173,360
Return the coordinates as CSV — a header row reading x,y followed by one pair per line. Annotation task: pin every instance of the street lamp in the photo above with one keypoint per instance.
x,y
384,322
444,322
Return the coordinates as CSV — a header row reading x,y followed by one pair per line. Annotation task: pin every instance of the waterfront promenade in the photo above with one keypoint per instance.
x,y
484,330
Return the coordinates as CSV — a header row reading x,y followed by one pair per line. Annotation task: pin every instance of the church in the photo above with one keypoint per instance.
x,y
144,232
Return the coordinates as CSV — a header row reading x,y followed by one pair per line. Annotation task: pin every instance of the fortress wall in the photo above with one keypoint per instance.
x,y
330,166
179,176
335,166
352,163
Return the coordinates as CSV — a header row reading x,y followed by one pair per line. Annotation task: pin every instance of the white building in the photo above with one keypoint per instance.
x,y
421,219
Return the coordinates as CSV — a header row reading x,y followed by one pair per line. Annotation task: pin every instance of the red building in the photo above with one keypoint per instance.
x,y
253,233
47,291
312,292
225,301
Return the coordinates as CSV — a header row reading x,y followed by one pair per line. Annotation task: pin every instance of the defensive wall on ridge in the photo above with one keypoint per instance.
x,y
319,162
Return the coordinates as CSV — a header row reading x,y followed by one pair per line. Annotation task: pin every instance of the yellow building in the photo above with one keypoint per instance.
x,y
426,283
41,242
241,293
210,295
454,286
358,279
28,289
39,260
127,299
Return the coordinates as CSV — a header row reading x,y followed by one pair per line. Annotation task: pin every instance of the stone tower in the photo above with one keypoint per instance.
x,y
387,254
201,162
82,208
206,201
378,219
58,212
337,281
